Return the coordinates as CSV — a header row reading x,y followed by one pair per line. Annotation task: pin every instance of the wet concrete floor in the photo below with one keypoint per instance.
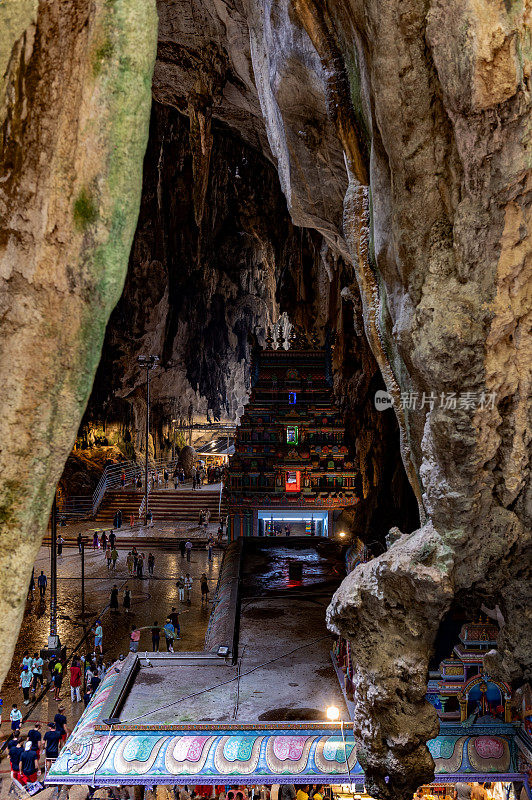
x,y
267,563
152,599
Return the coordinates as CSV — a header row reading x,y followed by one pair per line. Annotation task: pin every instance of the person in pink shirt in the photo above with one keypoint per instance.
x,y
134,640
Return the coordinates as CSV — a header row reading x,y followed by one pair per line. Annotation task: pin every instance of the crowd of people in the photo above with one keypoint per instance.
x,y
25,753
85,675
260,792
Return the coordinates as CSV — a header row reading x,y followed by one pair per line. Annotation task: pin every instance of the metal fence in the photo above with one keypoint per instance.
x,y
114,476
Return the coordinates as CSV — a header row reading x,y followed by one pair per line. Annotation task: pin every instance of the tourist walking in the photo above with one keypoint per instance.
x,y
52,737
25,683
169,634
27,660
134,639
204,585
36,671
112,539
127,600
42,583
114,557
174,619
155,636
108,556
182,548
75,681
95,543
15,717
129,562
135,559
29,766
14,746
188,587
188,548
206,519
151,563
180,583
98,637
140,565
60,542
35,736
113,603
87,696
57,677
210,545
61,723
103,541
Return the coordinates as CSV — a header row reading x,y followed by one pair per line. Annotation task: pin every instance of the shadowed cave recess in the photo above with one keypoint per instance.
x,y
359,167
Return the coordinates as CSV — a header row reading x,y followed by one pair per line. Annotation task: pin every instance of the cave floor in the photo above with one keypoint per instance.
x,y
152,599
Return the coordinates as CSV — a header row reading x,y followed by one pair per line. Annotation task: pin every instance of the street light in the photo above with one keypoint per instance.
x,y
53,639
333,713
148,363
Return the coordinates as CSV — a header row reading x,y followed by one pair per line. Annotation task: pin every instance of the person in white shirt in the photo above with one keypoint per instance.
x,y
188,587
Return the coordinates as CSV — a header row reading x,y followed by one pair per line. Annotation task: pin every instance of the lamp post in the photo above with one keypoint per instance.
x,y
83,578
148,363
53,639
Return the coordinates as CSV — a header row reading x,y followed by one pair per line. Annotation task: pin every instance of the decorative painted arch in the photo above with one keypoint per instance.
x,y
480,680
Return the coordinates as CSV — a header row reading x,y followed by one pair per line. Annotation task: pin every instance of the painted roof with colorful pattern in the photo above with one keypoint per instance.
x,y
100,754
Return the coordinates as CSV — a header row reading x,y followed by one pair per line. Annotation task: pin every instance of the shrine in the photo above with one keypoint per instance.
x,y
292,472
460,691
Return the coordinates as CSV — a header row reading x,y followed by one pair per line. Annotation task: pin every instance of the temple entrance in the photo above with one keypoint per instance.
x,y
295,522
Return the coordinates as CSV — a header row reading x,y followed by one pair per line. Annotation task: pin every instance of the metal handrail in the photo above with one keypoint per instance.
x,y
88,505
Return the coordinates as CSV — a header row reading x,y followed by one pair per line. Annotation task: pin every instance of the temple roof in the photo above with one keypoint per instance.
x,y
101,753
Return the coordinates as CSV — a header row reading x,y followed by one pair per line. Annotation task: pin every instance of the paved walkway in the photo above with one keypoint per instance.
x,y
152,599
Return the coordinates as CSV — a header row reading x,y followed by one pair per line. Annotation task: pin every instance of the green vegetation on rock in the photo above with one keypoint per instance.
x,y
85,210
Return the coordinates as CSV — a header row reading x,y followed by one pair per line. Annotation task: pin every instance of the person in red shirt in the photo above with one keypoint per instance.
x,y
75,681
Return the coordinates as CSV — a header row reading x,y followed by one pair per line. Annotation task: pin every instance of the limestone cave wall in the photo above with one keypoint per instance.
x,y
75,84
400,131
400,134
202,285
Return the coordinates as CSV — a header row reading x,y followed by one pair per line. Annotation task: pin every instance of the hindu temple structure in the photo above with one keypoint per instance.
x,y
292,469
460,690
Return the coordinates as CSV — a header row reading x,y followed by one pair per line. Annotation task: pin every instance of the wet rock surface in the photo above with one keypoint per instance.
x,y
74,108
430,104
400,133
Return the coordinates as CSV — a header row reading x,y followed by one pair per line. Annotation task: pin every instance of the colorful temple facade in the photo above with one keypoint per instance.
x,y
460,691
291,469
485,730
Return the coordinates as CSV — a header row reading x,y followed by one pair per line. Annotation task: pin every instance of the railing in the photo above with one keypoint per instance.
x,y
158,466
87,505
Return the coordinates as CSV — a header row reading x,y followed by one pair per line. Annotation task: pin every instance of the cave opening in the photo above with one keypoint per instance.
x,y
207,278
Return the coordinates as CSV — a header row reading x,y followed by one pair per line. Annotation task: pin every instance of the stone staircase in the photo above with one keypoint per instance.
x,y
166,505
